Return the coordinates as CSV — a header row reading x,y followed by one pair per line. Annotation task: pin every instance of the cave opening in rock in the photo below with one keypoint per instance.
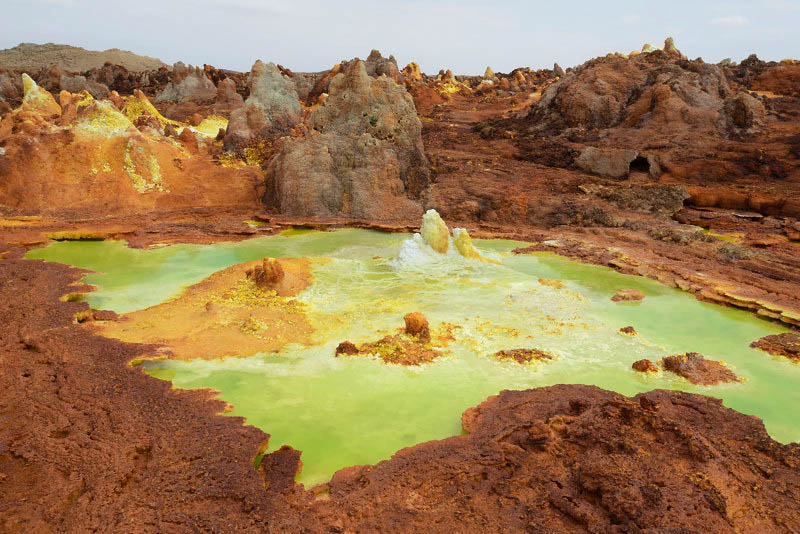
x,y
640,164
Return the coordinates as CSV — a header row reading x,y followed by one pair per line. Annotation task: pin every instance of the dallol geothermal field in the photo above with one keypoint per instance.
x,y
373,299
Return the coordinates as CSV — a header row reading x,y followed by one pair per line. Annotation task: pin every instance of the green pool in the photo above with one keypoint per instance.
x,y
347,411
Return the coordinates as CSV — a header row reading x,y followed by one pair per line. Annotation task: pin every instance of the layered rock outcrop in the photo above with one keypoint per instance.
x,y
362,157
271,111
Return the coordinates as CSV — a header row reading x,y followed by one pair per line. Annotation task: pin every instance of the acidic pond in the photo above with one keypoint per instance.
x,y
358,410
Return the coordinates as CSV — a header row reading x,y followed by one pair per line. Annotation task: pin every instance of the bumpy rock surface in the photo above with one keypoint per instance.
x,y
417,326
227,99
698,370
268,275
188,84
363,156
377,65
660,91
570,459
271,111
786,345
644,366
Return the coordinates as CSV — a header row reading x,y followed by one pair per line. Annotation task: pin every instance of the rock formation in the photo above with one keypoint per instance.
x,y
644,366
188,84
227,99
362,157
377,65
80,154
271,111
417,326
651,91
786,345
698,370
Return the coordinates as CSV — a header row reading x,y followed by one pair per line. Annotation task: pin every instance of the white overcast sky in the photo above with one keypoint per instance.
x,y
465,35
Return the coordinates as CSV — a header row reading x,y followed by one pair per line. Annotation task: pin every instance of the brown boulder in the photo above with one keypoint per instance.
x,y
417,326
644,366
346,347
268,276
698,370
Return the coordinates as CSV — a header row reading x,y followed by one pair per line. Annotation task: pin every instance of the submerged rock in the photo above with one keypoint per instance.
x,y
628,330
523,355
627,294
698,370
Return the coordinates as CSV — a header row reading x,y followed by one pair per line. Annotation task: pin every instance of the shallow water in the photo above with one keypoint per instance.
x,y
350,410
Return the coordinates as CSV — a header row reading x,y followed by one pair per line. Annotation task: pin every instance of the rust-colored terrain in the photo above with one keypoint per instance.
x,y
651,163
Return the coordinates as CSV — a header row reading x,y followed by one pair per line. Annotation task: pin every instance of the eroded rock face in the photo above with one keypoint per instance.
x,y
658,90
271,111
188,84
362,157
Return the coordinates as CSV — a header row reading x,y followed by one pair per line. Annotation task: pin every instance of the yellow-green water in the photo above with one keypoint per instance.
x,y
346,411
